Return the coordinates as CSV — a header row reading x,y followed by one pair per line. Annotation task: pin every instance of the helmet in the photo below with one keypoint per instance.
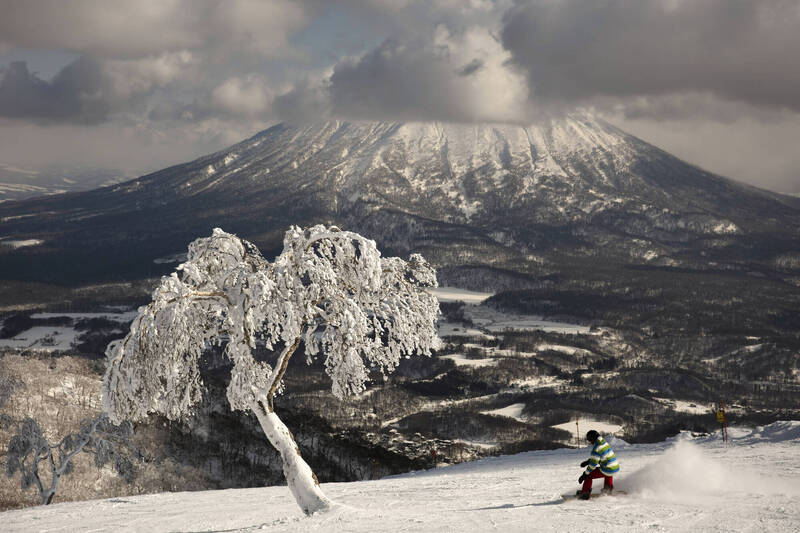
x,y
592,435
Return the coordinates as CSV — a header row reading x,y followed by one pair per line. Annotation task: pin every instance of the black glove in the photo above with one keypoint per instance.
x,y
582,478
585,463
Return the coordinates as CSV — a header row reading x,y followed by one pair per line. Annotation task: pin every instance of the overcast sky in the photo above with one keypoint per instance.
x,y
139,85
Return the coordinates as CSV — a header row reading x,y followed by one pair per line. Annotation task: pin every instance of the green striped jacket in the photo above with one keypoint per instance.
x,y
602,456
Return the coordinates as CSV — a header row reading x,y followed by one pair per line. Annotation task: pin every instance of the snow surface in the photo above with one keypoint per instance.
x,y
685,484
587,423
537,382
681,406
453,294
23,243
569,350
179,257
494,320
58,338
523,323
115,317
453,329
725,228
44,338
510,411
463,360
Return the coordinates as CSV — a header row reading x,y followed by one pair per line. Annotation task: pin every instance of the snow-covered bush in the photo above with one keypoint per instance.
x,y
329,289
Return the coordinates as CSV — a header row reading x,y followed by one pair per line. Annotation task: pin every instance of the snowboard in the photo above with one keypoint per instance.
x,y
592,496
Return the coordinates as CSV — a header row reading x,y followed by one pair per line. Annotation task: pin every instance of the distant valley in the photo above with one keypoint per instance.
x,y
21,183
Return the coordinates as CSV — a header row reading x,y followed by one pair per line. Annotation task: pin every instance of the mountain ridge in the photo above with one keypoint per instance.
x,y
573,183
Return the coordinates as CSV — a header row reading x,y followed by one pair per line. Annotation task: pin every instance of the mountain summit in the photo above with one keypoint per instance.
x,y
489,194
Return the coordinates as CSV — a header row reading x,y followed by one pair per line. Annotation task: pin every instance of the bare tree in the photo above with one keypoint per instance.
x,y
29,449
8,384
329,289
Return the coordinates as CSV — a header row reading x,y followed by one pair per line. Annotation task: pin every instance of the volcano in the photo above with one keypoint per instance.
x,y
513,200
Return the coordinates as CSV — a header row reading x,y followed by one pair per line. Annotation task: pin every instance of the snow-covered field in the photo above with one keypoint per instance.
x,y
45,338
123,317
687,407
587,423
454,294
450,329
462,360
584,423
22,244
58,338
510,411
498,322
493,321
749,484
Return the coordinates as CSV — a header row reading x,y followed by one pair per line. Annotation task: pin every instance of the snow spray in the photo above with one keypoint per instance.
x,y
685,473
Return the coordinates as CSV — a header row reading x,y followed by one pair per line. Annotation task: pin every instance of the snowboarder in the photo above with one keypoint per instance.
x,y
602,463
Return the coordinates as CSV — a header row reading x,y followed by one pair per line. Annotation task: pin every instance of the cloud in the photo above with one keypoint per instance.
x,y
446,59
125,29
306,101
471,68
80,93
158,59
87,90
138,76
248,96
396,80
574,51
194,60
451,76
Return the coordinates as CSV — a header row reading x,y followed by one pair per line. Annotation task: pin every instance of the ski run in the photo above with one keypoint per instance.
x,y
688,483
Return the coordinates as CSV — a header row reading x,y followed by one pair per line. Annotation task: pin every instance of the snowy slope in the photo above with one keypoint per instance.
x,y
749,484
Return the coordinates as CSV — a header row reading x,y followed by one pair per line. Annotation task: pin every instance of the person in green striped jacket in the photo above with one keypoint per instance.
x,y
602,463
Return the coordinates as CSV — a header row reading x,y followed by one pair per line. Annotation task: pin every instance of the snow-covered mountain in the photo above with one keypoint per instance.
x,y
687,484
497,195
568,169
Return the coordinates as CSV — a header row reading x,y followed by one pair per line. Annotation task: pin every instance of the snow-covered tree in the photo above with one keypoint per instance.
x,y
329,289
42,464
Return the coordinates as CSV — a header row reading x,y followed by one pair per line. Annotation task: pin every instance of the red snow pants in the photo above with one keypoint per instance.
x,y
608,481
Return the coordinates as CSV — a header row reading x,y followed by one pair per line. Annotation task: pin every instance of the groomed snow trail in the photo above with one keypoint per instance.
x,y
749,484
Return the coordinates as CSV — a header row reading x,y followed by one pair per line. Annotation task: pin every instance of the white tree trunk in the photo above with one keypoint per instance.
x,y
299,476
